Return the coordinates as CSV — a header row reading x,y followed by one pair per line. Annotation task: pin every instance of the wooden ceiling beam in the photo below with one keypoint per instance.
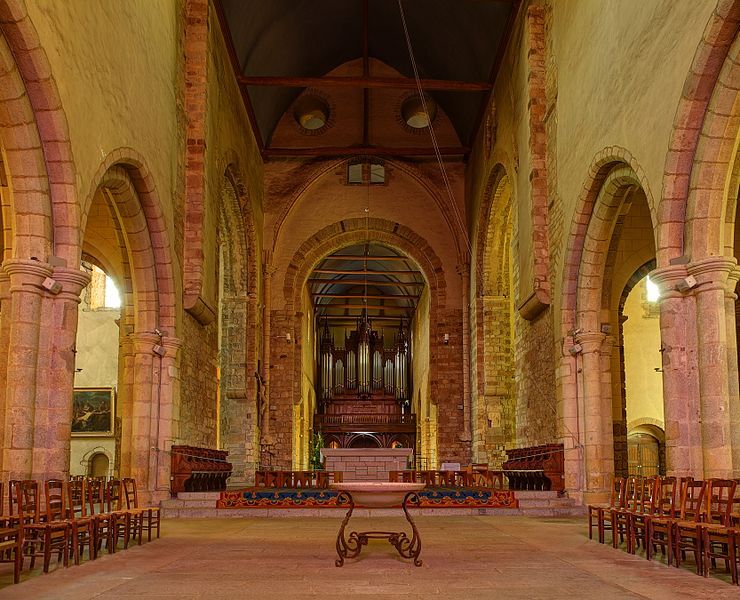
x,y
363,272
369,296
400,83
359,257
364,151
361,307
369,283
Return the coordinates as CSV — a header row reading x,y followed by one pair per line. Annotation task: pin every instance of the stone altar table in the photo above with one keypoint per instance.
x,y
366,464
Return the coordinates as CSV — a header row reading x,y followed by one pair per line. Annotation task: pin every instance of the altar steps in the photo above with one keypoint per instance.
x,y
202,505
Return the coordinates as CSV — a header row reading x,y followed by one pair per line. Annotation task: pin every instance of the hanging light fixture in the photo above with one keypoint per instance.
x,y
402,345
364,327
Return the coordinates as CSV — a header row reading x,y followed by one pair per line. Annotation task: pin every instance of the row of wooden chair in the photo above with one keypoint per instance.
x,y
678,516
79,514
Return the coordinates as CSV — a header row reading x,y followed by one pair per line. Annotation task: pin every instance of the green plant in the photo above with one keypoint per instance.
x,y
316,444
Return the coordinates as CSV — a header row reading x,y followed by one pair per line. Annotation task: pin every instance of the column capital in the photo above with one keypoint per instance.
x,y
26,274
667,278
143,342
171,345
591,341
73,281
712,269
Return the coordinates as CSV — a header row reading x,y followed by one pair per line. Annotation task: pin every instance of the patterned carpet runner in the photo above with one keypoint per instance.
x,y
318,498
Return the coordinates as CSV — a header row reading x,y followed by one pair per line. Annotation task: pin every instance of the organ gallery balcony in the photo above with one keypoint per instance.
x,y
340,423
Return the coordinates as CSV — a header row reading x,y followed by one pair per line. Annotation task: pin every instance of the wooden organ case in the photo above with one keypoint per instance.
x,y
364,389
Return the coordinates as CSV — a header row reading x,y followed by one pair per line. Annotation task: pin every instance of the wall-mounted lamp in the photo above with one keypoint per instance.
x,y
288,338
575,349
159,350
447,338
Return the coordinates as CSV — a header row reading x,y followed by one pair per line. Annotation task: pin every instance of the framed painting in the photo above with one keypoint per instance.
x,y
92,411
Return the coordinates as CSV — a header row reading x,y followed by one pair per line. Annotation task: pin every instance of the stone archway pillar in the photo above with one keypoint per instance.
x,y
54,426
5,310
597,428
733,377
712,274
26,298
143,396
683,436
165,389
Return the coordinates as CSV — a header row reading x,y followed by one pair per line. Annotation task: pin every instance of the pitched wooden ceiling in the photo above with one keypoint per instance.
x,y
366,276
280,45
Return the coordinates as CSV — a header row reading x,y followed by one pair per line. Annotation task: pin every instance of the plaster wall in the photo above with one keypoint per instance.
x,y
644,386
115,65
421,400
97,359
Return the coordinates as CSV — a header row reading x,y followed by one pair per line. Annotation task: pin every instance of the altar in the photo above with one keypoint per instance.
x,y
366,464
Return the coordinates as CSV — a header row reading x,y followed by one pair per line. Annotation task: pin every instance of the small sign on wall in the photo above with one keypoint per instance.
x,y
93,411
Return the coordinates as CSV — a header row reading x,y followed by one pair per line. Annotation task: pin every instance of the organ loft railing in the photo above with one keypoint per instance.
x,y
364,388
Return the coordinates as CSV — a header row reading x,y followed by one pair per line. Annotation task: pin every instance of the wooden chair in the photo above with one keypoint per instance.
x,y
621,516
124,520
150,515
41,536
83,526
687,529
600,515
97,509
719,538
660,525
640,517
11,540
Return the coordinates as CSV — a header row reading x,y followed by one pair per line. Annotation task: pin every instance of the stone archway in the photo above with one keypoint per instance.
x,y
585,379
285,358
148,345
237,315
492,352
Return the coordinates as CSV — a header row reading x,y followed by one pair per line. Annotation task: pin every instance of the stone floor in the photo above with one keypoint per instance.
x,y
464,557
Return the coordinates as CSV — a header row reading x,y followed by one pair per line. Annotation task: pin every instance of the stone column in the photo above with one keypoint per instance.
x,y
733,378
54,427
162,434
26,295
464,270
609,418
145,381
5,310
125,397
711,274
597,428
680,375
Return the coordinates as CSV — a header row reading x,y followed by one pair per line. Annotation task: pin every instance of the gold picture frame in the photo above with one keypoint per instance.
x,y
93,411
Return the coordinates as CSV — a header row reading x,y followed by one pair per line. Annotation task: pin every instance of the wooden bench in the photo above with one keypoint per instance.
x,y
295,479
199,469
535,468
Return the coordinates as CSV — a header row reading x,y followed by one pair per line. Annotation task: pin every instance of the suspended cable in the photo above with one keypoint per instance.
x,y
438,154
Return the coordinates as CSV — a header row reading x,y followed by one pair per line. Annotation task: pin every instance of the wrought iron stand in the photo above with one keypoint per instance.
x,y
350,547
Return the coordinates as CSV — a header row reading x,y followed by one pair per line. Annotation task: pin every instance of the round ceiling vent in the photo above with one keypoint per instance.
x,y
418,114
311,112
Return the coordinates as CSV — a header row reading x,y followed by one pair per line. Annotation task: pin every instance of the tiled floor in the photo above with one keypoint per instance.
x,y
464,557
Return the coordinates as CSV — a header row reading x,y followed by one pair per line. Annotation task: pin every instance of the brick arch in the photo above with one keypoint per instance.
x,y
144,228
604,163
35,136
239,331
494,221
355,231
428,184
711,203
701,80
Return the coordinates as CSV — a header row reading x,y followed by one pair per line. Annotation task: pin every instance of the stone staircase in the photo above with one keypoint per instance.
x,y
202,505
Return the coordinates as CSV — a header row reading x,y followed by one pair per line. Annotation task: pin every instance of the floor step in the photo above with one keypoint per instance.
x,y
202,505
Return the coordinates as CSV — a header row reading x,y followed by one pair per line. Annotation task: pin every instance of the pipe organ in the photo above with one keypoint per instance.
x,y
365,365
364,388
